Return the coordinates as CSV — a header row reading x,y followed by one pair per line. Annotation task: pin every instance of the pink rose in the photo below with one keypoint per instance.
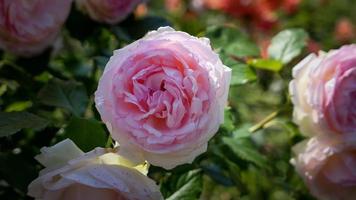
x,y
163,97
100,174
328,167
324,93
27,28
108,11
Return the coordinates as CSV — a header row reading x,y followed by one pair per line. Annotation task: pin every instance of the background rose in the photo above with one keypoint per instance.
x,y
328,167
29,27
163,96
99,174
324,92
108,11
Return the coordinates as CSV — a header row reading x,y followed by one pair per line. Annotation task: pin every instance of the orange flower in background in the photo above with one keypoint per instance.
x,y
173,5
141,10
262,13
290,6
344,30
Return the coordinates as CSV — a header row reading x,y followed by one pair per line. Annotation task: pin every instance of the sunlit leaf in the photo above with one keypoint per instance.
x,y
287,45
267,64
18,106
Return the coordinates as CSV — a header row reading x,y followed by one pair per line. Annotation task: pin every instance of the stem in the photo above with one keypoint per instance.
x,y
263,122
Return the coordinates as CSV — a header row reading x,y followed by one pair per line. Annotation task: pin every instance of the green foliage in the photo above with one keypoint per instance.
x,y
12,122
49,97
241,73
231,41
86,134
243,149
287,45
267,64
140,27
70,95
188,186
232,44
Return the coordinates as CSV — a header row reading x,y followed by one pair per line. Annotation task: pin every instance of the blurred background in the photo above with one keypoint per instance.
x,y
250,156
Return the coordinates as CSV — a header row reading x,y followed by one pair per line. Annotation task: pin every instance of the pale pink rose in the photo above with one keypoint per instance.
x,y
108,11
323,92
163,97
100,174
327,166
29,27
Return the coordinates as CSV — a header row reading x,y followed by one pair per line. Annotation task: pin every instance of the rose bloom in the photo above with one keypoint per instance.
x,y
323,92
327,166
99,174
108,11
163,97
27,28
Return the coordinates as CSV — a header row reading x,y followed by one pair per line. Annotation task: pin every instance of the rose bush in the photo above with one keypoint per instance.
x,y
28,27
163,97
323,92
99,174
327,166
108,11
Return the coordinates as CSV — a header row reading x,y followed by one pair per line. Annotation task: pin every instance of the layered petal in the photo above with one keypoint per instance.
x,y
323,92
327,166
163,96
99,174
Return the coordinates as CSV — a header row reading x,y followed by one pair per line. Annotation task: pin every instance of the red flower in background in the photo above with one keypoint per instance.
x,y
173,5
344,30
262,13
313,46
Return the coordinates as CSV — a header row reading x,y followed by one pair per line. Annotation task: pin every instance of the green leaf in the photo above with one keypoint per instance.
x,y
18,106
242,132
190,186
241,73
217,174
138,28
267,64
121,33
87,134
70,95
228,120
287,45
231,41
243,149
12,122
214,191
